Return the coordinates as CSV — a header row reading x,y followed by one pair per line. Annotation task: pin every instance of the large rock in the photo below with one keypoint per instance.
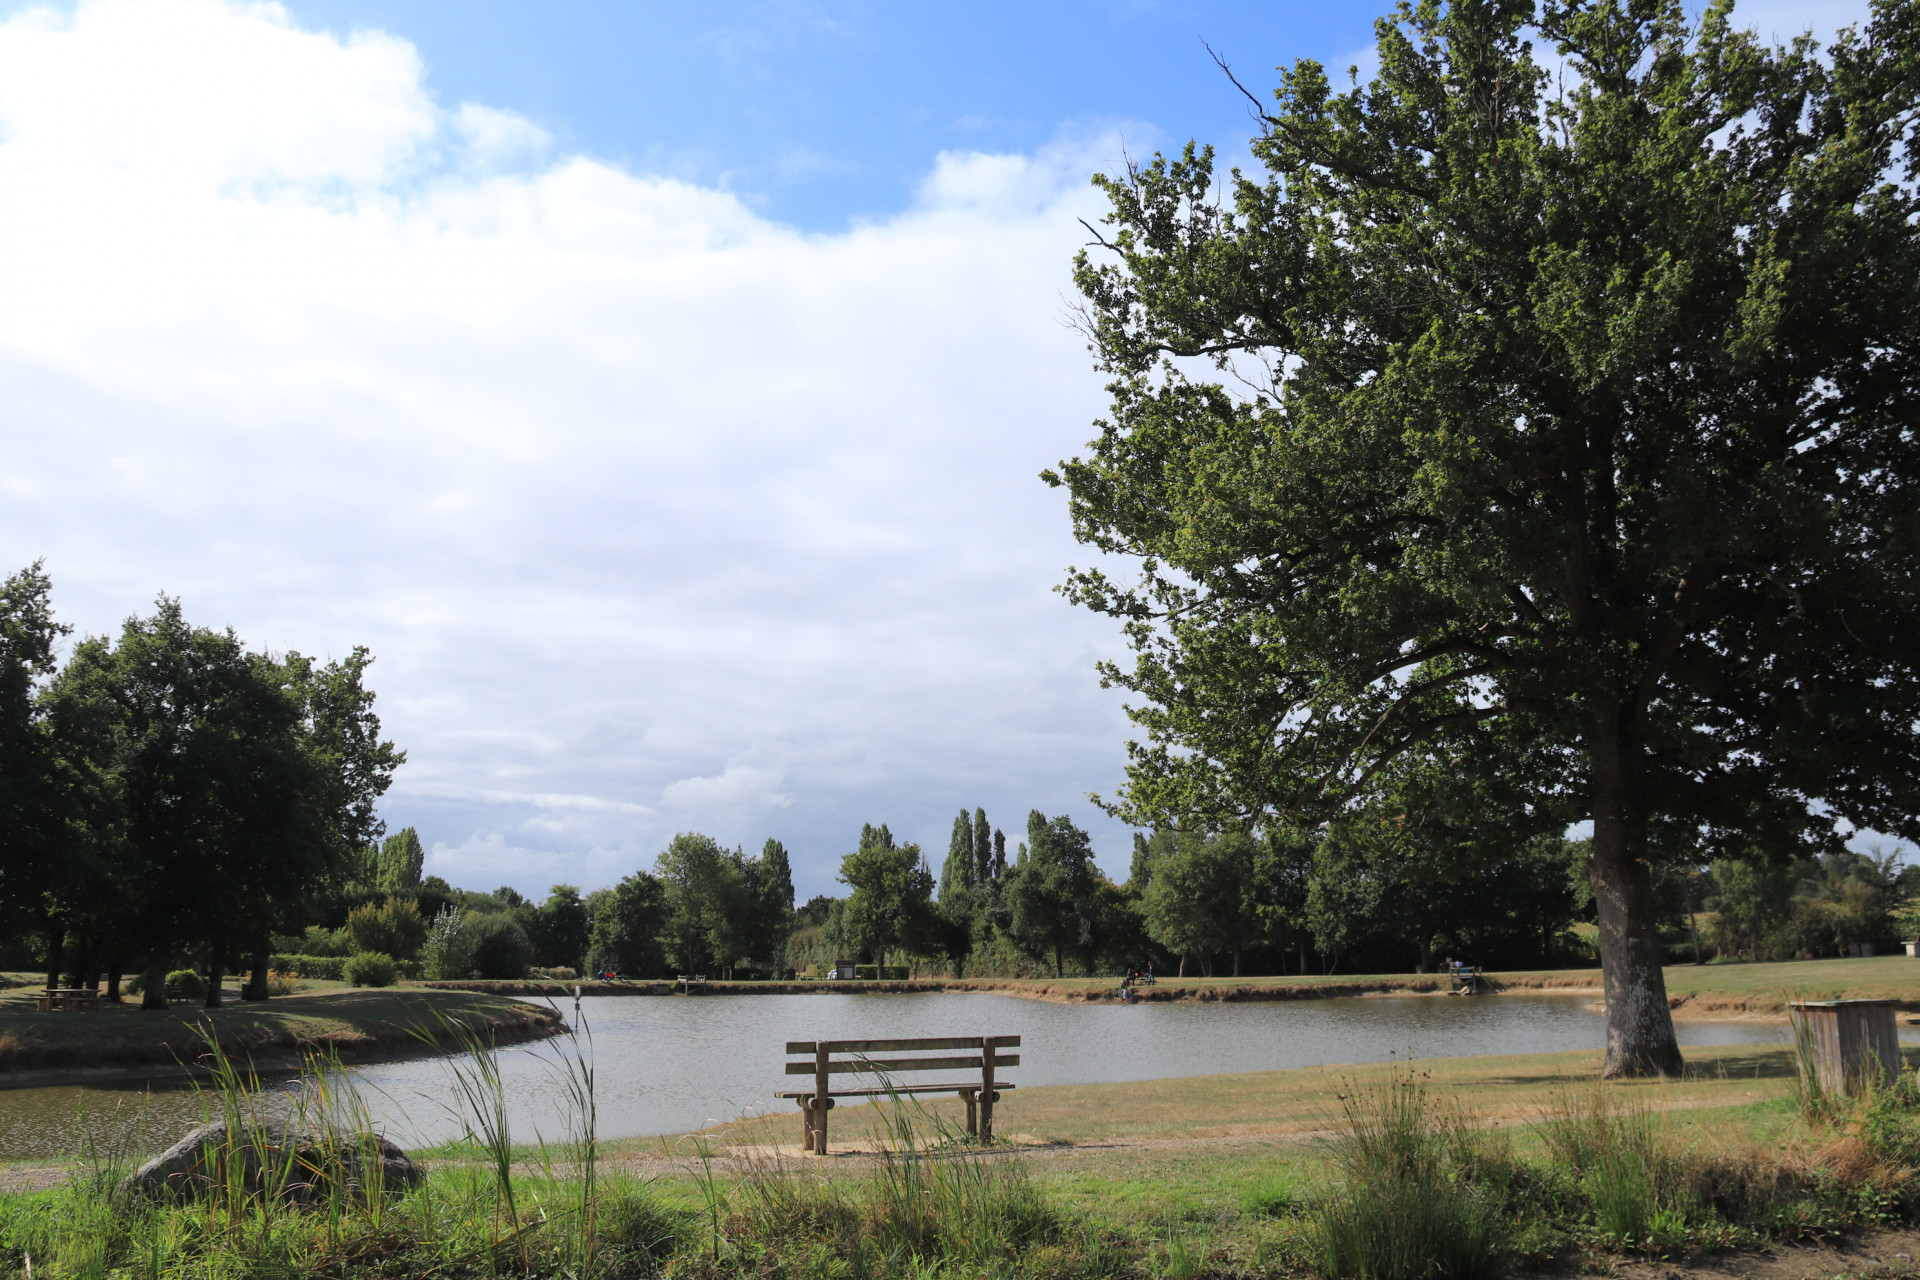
x,y
270,1157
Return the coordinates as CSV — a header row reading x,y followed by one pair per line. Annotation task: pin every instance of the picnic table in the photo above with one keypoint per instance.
x,y
55,999
824,1059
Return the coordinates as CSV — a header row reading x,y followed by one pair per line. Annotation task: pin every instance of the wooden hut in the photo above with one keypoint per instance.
x,y
1848,1043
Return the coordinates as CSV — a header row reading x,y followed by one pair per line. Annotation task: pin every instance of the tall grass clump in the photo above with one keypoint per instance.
x,y
929,1202
1421,1188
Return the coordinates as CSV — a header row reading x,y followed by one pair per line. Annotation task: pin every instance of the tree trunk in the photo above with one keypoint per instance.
x,y
216,972
1640,1040
1059,968
153,992
1236,959
1183,966
1303,955
256,988
116,966
56,948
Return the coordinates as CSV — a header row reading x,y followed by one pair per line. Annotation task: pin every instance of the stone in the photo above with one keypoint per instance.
x,y
295,1164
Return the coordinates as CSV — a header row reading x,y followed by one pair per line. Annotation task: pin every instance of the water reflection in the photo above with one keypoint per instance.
x,y
666,1065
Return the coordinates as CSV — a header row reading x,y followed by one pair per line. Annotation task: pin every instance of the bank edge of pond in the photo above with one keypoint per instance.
x,y
1707,993
359,1025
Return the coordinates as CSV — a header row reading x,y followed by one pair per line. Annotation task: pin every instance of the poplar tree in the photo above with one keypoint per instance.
x,y
1558,429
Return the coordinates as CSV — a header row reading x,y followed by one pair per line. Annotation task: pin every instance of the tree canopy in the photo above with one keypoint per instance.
x,y
1548,437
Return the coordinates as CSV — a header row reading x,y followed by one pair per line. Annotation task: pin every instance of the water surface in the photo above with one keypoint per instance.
x,y
670,1064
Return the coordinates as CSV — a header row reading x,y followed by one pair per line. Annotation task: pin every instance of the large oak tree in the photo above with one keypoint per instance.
x,y
1546,435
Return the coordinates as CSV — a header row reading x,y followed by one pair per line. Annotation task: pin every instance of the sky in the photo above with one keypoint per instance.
x,y
657,390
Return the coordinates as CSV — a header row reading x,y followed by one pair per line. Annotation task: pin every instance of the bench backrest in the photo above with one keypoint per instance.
x,y
859,1055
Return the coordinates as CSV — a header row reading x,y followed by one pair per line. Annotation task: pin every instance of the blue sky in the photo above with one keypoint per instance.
x,y
819,114
658,391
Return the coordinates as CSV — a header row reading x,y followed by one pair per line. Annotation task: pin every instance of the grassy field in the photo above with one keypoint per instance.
x,y
1282,1173
328,1016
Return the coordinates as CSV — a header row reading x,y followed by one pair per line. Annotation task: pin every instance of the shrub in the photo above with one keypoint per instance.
x,y
394,928
192,986
281,984
448,951
560,974
371,969
501,949
325,942
326,968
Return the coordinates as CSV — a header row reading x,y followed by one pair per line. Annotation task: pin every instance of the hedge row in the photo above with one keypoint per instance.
x,y
327,967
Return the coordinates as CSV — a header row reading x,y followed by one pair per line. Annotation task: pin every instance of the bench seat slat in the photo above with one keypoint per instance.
x,y
974,1063
999,1086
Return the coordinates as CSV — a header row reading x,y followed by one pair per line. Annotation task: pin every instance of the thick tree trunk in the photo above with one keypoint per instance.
x,y
1425,963
1059,968
256,988
56,949
1236,959
216,972
1640,1039
116,967
153,991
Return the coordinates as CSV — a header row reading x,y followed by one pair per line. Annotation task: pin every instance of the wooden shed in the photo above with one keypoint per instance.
x,y
1848,1042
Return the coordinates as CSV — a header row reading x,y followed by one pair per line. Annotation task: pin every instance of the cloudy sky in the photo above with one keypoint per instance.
x,y
657,389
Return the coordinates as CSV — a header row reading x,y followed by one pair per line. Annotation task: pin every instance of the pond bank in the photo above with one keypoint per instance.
x,y
359,1025
1715,992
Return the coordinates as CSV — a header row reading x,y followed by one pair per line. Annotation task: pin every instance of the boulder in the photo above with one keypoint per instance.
x,y
272,1157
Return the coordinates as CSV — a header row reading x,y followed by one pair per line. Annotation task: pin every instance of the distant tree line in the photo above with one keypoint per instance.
x,y
168,793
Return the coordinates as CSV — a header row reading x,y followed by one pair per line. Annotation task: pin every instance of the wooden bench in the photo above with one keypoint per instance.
x,y
825,1059
68,998
687,982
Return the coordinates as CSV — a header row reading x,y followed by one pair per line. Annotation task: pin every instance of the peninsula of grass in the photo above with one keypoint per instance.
x,y
1710,990
358,1025
1483,1167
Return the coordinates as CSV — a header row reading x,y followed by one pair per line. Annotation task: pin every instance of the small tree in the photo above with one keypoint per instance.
x,y
892,891
1052,897
394,928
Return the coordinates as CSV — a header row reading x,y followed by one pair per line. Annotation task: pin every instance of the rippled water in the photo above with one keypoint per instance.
x,y
669,1064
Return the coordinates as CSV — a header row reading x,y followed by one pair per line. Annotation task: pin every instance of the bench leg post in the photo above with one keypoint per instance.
x,y
968,1096
821,1099
806,1123
987,1044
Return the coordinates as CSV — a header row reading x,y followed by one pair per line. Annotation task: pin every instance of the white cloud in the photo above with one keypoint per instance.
x,y
739,787
638,497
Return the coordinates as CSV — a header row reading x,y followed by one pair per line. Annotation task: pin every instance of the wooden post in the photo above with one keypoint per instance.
x,y
806,1123
821,1101
987,1044
971,1098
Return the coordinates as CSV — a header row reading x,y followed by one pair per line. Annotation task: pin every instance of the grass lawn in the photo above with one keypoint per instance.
x,y
328,1015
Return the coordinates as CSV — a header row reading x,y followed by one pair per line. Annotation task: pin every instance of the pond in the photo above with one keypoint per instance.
x,y
670,1064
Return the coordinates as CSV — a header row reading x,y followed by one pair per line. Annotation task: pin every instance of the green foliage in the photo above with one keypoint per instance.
x,y
394,928
628,922
1527,450
892,893
560,929
447,952
401,859
500,948
1052,894
370,969
328,968
189,983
